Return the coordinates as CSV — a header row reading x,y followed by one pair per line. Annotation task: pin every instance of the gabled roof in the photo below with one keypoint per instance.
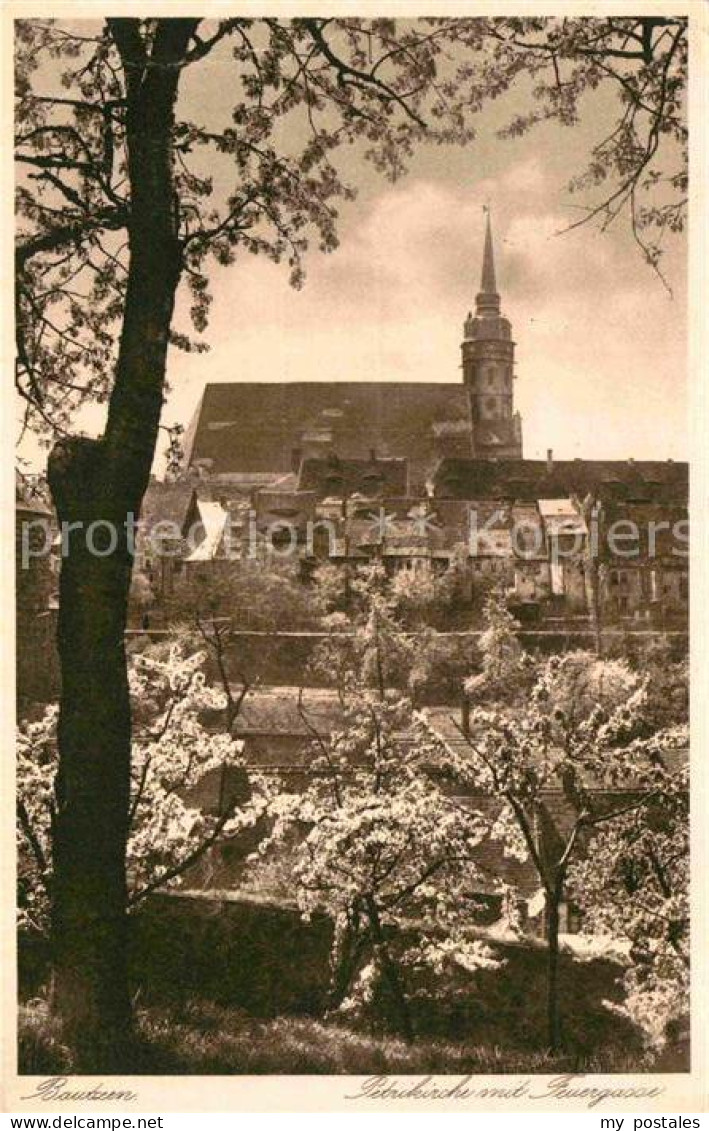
x,y
212,517
32,494
28,505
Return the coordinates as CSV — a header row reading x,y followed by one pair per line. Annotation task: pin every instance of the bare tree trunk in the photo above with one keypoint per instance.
x,y
553,1006
390,972
345,967
90,987
103,482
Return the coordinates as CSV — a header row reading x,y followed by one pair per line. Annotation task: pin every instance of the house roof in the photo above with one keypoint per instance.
x,y
526,480
445,722
32,495
561,516
166,502
277,712
257,426
28,505
213,517
332,476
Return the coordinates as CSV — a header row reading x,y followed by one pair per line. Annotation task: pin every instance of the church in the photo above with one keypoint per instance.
x,y
432,459
253,428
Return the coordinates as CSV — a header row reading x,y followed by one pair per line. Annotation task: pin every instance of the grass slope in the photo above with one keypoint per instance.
x,y
203,1039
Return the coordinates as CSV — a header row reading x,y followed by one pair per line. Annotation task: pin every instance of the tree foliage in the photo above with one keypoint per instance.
x,y
374,644
173,751
639,167
582,765
383,849
382,85
130,189
262,594
505,668
239,189
634,888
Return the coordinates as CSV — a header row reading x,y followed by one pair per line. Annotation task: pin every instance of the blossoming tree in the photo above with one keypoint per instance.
x,y
635,888
597,759
128,196
384,851
173,751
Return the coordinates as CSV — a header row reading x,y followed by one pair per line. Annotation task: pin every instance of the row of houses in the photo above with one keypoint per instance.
x,y
559,536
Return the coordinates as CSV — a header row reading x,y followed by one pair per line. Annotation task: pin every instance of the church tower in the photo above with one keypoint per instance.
x,y
488,364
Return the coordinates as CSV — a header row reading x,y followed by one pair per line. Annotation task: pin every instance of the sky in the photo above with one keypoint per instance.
x,y
601,345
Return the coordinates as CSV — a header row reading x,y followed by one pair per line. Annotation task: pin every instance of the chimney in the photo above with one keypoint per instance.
x,y
550,460
465,716
372,455
296,458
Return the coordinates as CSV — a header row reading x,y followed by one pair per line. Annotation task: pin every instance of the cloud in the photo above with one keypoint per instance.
x,y
600,347
415,251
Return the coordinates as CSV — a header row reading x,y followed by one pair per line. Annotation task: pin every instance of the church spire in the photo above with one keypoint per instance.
x,y
487,302
487,283
488,368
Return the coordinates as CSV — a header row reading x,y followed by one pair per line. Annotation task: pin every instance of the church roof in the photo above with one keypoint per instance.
x,y
257,426
629,481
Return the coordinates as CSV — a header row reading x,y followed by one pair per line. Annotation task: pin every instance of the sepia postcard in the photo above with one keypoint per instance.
x,y
359,399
